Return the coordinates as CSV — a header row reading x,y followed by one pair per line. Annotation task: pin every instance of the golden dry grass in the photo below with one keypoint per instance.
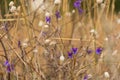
x,y
72,30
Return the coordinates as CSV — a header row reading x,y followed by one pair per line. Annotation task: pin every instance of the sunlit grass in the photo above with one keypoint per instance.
x,y
77,45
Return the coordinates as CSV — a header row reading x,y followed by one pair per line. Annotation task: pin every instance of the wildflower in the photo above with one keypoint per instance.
x,y
62,58
46,26
47,41
57,14
40,23
57,1
11,3
35,51
73,11
6,63
70,54
99,1
85,77
77,3
89,51
47,14
12,9
74,50
48,19
99,50
80,10
9,66
106,74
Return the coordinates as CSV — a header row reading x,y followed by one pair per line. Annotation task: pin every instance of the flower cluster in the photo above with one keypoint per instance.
x,y
74,51
98,50
13,8
77,5
9,66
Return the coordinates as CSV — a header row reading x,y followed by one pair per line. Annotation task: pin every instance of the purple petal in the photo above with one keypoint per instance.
x,y
80,10
70,54
74,50
8,68
89,51
85,77
6,63
99,50
48,19
57,14
77,4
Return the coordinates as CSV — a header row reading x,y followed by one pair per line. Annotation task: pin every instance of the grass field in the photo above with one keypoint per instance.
x,y
59,40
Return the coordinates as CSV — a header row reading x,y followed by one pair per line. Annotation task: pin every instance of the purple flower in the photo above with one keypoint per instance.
x,y
19,43
9,66
74,50
70,54
99,50
85,77
57,14
9,69
6,63
80,10
77,3
48,19
89,51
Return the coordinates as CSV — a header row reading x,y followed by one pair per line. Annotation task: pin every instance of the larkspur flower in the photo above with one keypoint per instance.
x,y
48,19
80,10
85,77
6,63
57,14
70,54
9,66
89,51
74,50
99,50
77,4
